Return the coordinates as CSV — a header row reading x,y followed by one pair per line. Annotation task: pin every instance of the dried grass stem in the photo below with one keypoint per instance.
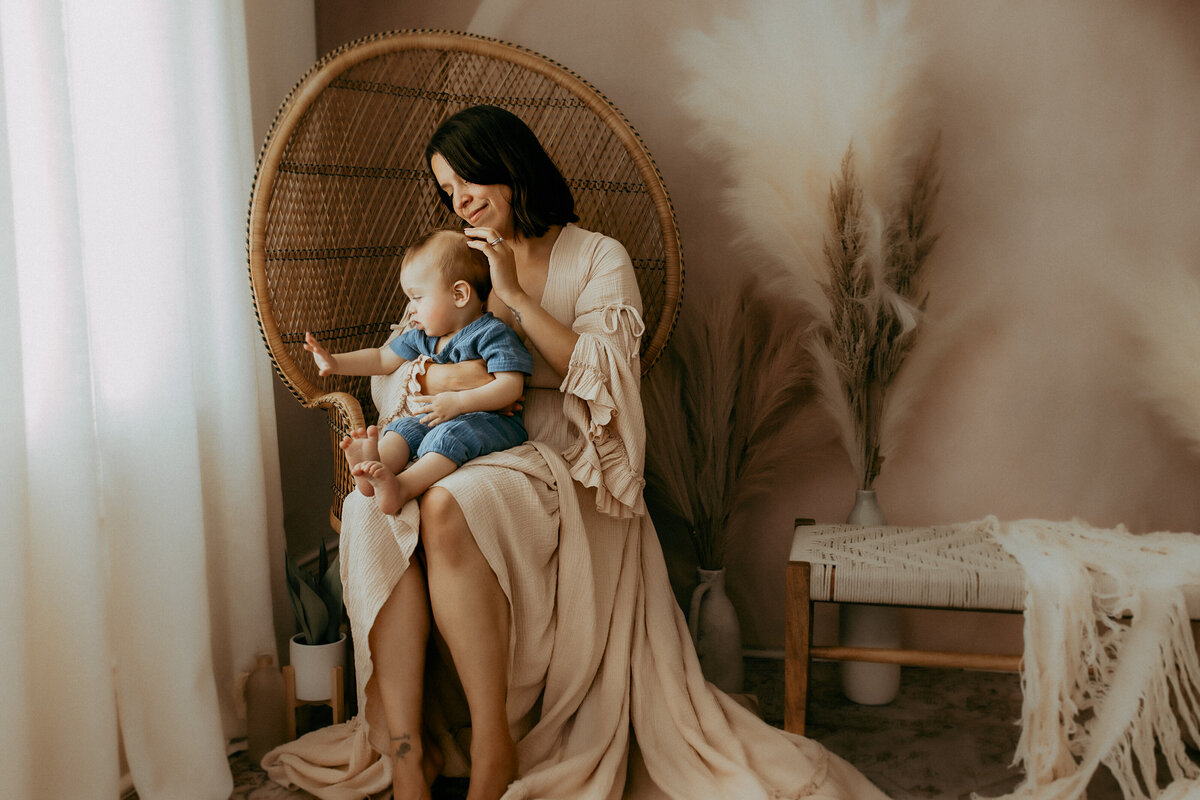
x,y
720,408
875,304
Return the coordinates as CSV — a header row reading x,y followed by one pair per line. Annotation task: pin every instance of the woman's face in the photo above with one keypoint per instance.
x,y
481,206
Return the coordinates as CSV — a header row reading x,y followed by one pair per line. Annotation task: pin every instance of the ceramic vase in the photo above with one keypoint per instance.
x,y
869,626
713,623
314,665
266,722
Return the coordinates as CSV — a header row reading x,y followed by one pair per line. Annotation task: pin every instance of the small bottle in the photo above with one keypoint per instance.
x,y
264,709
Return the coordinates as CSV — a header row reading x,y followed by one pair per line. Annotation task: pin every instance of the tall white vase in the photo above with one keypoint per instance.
x,y
713,624
869,626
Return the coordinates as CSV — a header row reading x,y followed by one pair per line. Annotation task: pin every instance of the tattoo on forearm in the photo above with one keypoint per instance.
x,y
401,745
516,314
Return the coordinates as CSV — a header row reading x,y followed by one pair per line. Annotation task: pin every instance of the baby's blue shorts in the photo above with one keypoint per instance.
x,y
462,438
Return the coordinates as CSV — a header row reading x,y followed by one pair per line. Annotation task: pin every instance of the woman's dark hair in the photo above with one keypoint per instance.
x,y
488,145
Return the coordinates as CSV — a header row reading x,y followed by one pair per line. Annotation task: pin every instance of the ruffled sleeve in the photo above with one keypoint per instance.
x,y
602,388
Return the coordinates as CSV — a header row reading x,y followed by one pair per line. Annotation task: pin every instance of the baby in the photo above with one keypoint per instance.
x,y
447,284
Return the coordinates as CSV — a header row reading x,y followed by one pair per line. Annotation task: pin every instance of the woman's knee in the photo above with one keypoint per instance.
x,y
444,530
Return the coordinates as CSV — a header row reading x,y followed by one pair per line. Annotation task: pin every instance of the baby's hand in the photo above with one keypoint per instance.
x,y
326,363
438,408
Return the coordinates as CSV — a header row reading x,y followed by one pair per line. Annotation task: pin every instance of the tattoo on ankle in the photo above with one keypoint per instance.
x,y
401,745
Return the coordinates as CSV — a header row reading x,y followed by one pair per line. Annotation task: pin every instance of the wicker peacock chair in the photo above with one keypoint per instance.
x,y
342,187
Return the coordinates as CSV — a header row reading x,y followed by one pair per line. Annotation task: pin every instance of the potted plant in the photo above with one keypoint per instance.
x,y
320,644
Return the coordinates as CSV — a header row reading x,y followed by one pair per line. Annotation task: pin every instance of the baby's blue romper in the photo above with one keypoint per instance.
x,y
476,432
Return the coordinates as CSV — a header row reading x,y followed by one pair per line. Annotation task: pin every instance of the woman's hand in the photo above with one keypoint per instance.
x,y
439,408
503,263
514,407
551,338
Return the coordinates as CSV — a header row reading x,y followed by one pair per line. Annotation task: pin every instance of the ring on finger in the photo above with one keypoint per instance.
x,y
496,241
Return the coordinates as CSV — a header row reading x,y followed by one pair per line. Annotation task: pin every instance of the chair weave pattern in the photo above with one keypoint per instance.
x,y
342,187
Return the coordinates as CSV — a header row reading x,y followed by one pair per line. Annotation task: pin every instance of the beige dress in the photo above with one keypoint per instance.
x,y
606,696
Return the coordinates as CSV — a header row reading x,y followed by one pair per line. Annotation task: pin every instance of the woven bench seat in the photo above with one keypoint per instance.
x,y
959,567
944,566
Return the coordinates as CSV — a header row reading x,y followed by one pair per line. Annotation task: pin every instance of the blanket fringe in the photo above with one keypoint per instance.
x,y
1111,673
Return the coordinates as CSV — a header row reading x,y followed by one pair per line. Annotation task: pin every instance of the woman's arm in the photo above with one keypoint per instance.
x,y
553,340
458,377
495,396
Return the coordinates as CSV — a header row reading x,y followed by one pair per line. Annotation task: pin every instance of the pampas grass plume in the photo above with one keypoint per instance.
x,y
816,109
779,94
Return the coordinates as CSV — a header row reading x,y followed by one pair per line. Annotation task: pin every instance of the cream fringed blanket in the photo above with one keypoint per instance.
x,y
1110,667
605,696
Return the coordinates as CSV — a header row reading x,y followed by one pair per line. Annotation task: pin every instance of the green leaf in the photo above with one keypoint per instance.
x,y
331,585
294,582
322,561
312,614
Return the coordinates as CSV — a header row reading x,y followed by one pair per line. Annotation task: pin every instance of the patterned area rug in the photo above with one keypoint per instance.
x,y
948,734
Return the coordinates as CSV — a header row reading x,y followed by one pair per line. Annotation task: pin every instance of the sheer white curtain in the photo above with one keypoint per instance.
x,y
138,469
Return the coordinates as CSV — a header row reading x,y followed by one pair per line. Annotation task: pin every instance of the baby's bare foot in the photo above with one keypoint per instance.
x,y
361,445
389,495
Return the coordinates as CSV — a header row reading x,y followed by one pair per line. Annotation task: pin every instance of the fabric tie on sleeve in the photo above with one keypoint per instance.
x,y
626,322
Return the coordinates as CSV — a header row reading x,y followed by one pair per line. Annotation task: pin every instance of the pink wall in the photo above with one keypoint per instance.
x,y
1070,159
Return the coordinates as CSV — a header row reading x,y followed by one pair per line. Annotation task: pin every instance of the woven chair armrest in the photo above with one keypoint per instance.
x,y
345,415
343,406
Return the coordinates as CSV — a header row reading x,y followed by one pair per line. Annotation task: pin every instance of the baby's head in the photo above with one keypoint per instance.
x,y
447,282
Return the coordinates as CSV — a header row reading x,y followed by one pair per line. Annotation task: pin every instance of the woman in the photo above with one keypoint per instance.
x,y
541,571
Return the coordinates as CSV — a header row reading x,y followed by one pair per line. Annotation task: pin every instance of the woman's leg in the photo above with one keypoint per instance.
x,y
398,641
471,613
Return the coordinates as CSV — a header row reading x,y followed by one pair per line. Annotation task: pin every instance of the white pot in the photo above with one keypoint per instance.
x,y
314,664
870,626
863,682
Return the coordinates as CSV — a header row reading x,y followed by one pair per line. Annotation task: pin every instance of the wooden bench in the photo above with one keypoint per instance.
x,y
958,567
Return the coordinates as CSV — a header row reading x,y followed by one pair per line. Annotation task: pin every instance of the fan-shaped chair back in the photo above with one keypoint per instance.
x,y
342,187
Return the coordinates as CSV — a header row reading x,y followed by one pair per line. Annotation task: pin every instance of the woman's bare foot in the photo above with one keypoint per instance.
x,y
388,491
492,770
432,760
408,770
361,446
